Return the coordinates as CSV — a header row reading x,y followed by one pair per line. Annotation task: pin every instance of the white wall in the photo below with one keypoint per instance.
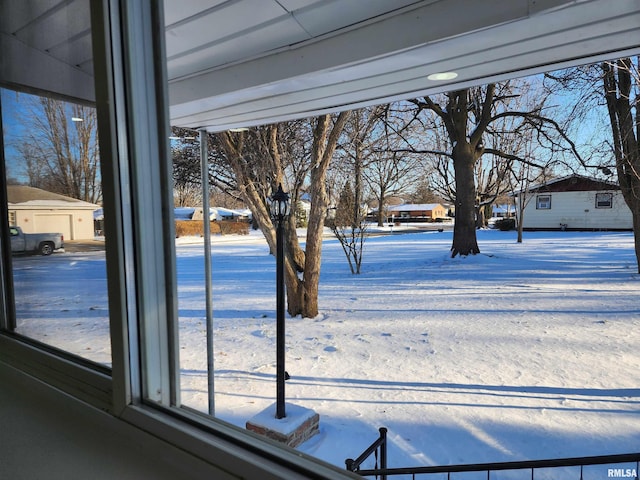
x,y
47,434
577,210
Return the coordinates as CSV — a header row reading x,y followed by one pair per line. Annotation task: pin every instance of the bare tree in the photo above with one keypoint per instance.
x,y
515,140
423,192
60,149
392,169
260,160
467,116
621,80
523,176
187,178
492,174
349,226
358,149
189,195
391,173
187,183
613,85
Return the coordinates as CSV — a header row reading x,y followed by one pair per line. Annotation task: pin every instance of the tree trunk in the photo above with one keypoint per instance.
x,y
636,233
294,288
357,189
382,216
305,293
520,216
464,230
313,251
480,217
618,82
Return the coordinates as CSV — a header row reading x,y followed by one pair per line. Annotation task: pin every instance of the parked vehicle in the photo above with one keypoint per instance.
x,y
42,243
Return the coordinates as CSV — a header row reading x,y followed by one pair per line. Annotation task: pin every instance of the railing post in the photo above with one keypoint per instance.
x,y
383,450
349,464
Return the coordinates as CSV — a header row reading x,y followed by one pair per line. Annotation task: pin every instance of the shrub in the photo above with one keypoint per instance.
x,y
195,228
506,224
231,227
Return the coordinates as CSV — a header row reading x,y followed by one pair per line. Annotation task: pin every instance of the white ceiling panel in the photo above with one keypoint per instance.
x,y
247,44
23,12
55,27
329,16
75,51
384,39
175,12
292,5
227,20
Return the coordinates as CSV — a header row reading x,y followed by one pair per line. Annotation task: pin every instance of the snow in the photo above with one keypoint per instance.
x,y
215,213
183,213
525,351
295,417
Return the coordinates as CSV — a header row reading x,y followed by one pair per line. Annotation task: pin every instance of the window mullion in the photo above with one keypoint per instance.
x,y
139,218
147,122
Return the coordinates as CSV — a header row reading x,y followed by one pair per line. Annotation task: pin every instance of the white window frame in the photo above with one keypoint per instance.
x,y
142,386
543,201
600,196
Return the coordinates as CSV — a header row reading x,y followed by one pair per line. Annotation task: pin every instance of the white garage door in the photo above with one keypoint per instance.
x,y
55,223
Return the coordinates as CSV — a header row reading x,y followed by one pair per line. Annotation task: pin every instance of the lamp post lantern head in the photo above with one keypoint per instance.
x,y
280,206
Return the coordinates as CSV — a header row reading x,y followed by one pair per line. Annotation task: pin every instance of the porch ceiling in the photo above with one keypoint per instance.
x,y
234,63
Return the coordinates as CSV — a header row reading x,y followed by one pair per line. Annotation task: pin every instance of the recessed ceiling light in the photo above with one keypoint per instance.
x,y
77,119
239,129
442,76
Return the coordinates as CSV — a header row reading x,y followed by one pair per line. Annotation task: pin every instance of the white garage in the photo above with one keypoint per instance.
x,y
38,211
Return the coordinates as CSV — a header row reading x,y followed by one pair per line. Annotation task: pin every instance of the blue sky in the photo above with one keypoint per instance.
x,y
591,131
13,129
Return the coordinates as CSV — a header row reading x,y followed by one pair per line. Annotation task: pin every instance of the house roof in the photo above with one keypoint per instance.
x,y
573,183
21,195
413,207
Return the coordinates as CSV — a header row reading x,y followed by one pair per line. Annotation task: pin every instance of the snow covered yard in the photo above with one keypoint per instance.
x,y
525,351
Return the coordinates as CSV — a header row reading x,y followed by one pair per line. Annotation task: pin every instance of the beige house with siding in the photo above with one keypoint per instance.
x,y
39,211
575,202
416,212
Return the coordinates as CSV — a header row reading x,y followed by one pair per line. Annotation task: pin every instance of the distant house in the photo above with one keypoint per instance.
x,y
215,213
36,210
416,212
503,211
575,202
184,213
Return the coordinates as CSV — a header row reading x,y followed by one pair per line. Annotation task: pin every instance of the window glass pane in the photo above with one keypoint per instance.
x,y
604,200
54,197
543,202
385,347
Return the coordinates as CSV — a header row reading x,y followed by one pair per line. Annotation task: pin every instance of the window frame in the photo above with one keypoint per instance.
x,y
141,387
540,205
609,196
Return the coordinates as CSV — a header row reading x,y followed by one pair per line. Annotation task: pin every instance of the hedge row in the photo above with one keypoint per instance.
x,y
195,228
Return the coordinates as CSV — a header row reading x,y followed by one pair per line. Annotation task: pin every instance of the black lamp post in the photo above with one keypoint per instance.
x,y
279,209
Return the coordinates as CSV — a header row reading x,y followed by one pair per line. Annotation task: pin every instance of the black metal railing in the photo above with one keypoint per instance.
x,y
579,463
379,450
